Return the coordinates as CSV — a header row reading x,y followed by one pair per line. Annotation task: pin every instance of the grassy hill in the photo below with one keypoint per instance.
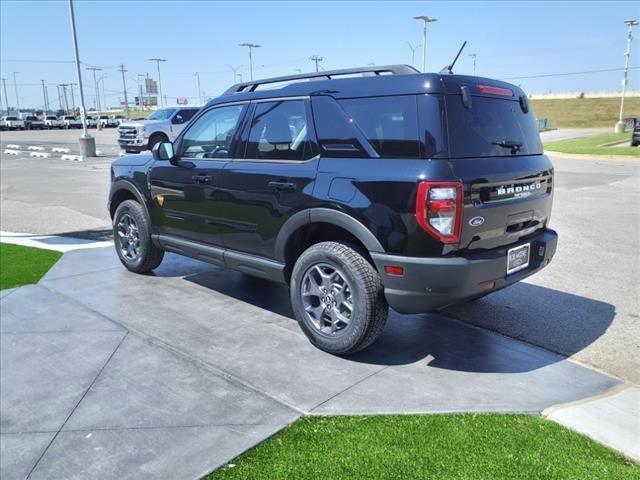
x,y
584,112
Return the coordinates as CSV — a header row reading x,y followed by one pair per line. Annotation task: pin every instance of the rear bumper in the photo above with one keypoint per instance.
x,y
432,283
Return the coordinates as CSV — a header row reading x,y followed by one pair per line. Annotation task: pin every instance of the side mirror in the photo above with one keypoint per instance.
x,y
162,151
178,119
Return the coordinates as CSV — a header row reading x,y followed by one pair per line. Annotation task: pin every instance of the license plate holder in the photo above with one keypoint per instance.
x,y
518,258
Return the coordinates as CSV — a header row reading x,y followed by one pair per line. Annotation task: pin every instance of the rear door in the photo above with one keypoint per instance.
x,y
495,150
274,177
186,201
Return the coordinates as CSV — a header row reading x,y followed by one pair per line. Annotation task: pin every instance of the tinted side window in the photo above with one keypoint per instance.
x,y
390,124
211,135
279,131
187,114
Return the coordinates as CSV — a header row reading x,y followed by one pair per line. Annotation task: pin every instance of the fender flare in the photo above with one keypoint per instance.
x,y
325,215
130,187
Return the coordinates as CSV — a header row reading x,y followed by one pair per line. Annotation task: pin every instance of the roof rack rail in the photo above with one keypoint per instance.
x,y
324,75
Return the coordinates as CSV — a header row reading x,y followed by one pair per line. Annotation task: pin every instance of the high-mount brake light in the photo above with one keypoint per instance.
x,y
505,92
439,209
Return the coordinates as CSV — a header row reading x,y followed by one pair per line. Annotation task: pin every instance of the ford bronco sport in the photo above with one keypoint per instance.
x,y
360,189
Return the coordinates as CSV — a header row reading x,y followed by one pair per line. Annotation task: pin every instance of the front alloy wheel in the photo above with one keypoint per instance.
x,y
129,235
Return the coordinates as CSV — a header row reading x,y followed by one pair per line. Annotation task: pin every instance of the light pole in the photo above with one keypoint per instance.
x,y
473,56
158,60
425,19
6,99
250,46
73,98
87,142
95,85
44,96
104,95
413,53
620,126
197,75
15,86
316,59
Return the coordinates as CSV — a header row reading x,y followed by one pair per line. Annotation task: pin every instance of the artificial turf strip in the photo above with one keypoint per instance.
x,y
24,265
460,446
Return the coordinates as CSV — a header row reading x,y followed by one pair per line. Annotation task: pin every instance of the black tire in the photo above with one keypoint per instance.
x,y
370,311
147,255
156,138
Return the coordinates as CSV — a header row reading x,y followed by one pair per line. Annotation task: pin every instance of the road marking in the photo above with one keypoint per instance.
x,y
76,158
32,147
11,145
40,154
60,150
12,152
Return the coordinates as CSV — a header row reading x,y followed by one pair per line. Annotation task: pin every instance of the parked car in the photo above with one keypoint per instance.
x,y
387,189
107,121
31,122
163,125
92,122
69,121
11,123
51,121
119,119
635,136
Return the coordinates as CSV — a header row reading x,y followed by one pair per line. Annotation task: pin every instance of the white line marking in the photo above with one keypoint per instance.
x,y
31,147
39,154
76,158
11,145
12,152
60,150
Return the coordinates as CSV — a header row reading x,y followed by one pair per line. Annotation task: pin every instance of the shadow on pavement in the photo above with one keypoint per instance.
x,y
446,340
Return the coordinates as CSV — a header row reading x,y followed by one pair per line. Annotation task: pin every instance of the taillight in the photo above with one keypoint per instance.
x,y
439,209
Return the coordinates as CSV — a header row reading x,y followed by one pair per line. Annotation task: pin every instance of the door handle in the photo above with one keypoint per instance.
x,y
201,179
283,185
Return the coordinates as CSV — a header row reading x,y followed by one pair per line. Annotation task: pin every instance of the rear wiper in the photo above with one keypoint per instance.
x,y
513,145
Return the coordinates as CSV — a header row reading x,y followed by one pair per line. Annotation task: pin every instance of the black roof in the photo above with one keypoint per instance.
x,y
358,82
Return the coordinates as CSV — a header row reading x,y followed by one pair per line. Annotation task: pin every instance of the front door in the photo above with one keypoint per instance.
x,y
274,179
184,190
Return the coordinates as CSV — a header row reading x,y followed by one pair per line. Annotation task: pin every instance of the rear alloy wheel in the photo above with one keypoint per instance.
x,y
132,238
337,298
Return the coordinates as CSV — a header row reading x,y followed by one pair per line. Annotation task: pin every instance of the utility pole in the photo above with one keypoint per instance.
x,y
124,86
59,98
73,99
316,59
158,60
197,75
15,86
620,126
425,19
6,99
95,85
235,72
473,56
250,46
46,98
87,142
66,102
413,53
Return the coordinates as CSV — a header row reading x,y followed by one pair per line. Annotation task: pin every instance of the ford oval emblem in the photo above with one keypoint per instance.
x,y
476,221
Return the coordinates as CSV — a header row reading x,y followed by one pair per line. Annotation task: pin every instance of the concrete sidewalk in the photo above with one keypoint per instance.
x,y
107,374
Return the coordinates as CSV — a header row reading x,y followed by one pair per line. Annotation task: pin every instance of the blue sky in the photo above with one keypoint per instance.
x,y
511,39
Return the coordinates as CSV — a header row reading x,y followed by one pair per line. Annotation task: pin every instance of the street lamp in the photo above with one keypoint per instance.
x,y
425,19
87,142
235,72
158,60
250,46
620,126
473,56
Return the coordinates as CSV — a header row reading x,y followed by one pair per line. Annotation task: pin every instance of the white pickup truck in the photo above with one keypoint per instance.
x,y
11,123
163,125
51,121
69,121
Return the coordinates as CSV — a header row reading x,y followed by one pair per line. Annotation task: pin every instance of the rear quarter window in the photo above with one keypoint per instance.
x,y
489,126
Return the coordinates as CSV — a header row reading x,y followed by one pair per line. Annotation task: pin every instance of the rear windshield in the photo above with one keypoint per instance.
x,y
491,127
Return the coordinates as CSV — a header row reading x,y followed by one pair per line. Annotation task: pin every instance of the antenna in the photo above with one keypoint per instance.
x,y
449,68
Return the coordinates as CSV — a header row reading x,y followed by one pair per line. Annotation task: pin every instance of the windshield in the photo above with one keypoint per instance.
x,y
52,118
492,127
70,118
12,118
162,114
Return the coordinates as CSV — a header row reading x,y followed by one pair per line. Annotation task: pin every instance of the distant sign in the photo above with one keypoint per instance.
x,y
182,101
150,85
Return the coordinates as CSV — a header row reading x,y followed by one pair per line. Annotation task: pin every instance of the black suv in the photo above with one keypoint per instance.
x,y
360,189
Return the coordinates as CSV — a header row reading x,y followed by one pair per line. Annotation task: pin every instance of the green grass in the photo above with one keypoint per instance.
x,y
24,265
461,446
584,112
592,144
